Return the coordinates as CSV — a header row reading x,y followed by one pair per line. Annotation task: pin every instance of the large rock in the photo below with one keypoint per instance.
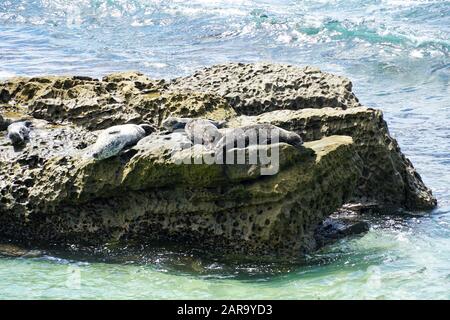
x,y
146,194
51,192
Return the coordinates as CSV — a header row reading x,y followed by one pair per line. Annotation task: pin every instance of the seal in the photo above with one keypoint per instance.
x,y
114,139
171,124
256,134
202,131
19,132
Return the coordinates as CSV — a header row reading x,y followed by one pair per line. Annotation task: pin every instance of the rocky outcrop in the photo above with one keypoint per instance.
x,y
154,191
317,104
144,194
388,179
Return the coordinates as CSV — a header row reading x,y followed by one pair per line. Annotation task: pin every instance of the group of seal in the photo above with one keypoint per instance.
x,y
108,144
113,140
206,132
200,131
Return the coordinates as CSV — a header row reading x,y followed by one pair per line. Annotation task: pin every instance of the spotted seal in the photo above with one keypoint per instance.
x,y
114,139
19,132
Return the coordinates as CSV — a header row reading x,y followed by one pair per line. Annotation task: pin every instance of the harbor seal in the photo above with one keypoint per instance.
x,y
19,132
114,139
202,131
256,134
171,124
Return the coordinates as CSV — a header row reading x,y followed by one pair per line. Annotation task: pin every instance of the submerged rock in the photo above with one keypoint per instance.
x,y
340,225
164,188
15,251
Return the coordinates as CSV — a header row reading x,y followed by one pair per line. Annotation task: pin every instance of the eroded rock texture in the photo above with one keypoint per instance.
x,y
50,192
256,88
145,195
117,99
388,179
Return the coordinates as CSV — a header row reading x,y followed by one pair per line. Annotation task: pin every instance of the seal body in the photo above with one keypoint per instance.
x,y
114,139
201,131
175,123
19,132
257,134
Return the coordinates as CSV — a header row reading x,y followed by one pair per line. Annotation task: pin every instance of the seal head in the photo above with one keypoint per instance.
x,y
171,124
19,132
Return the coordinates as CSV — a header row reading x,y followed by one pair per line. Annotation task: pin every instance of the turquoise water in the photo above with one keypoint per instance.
x,y
396,53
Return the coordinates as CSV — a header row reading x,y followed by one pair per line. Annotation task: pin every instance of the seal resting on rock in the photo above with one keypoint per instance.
x,y
257,134
174,123
202,131
114,139
19,132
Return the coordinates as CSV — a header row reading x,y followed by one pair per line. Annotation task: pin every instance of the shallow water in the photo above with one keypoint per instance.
x,y
395,52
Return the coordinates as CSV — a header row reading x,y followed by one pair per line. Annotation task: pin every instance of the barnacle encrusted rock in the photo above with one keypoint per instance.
x,y
50,192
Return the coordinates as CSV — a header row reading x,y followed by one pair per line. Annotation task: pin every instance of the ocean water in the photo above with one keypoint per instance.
x,y
397,53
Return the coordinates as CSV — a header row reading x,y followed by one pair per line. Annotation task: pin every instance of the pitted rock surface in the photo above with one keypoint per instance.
x,y
256,88
116,99
388,178
146,195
